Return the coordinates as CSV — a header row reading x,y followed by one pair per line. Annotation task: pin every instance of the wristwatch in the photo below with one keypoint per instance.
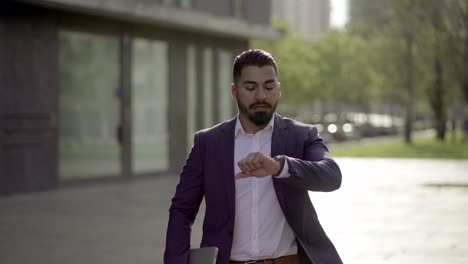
x,y
281,159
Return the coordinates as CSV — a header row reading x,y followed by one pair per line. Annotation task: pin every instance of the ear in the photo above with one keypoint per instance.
x,y
279,88
233,91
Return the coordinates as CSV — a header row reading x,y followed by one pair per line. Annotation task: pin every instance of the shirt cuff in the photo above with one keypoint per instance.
x,y
285,172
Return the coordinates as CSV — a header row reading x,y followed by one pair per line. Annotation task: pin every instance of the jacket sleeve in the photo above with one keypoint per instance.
x,y
316,171
184,208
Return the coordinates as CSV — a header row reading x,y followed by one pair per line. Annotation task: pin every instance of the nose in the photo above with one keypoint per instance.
x,y
260,94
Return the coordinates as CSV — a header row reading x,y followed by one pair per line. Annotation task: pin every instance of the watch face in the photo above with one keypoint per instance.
x,y
279,158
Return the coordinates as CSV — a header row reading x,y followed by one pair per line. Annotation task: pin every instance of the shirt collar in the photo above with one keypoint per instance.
x,y
239,127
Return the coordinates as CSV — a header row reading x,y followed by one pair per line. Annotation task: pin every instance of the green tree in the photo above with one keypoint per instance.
x,y
432,43
334,68
457,19
428,40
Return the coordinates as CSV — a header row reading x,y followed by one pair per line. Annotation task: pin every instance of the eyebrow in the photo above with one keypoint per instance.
x,y
249,82
252,82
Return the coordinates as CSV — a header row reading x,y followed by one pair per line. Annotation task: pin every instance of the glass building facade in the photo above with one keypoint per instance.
x,y
91,104
115,91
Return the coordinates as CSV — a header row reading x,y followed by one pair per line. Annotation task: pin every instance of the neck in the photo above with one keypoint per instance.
x,y
248,126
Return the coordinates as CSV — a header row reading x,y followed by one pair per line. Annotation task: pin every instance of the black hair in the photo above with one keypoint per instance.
x,y
255,57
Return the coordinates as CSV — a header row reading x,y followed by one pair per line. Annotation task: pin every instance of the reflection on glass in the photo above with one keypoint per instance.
x,y
208,87
88,103
226,102
149,102
185,3
191,96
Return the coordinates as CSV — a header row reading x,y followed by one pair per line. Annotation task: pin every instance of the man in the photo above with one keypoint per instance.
x,y
254,172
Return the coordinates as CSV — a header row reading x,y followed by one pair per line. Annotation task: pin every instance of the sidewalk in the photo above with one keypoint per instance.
x,y
399,211
387,211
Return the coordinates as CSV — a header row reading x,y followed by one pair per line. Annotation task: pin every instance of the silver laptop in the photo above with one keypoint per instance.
x,y
205,255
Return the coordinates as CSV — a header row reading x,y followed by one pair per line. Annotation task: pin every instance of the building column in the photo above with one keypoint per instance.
x,y
177,105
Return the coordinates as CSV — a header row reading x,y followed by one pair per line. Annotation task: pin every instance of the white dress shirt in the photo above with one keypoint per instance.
x,y
260,228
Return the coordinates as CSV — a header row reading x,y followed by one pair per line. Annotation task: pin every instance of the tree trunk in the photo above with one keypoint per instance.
x,y
410,91
465,111
437,94
464,86
437,101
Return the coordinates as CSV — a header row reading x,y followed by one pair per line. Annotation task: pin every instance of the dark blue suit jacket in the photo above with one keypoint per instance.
x,y
209,173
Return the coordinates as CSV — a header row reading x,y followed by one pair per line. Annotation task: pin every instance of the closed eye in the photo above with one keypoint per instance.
x,y
270,86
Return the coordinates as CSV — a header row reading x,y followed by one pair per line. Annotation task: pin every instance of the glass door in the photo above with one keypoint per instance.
x,y
150,84
88,105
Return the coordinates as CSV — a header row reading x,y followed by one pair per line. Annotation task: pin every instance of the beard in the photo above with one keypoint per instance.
x,y
259,118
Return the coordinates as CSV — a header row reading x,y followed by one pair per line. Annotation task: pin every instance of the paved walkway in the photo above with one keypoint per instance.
x,y
399,211
388,211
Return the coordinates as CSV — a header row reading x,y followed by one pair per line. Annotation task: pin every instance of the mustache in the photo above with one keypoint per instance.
x,y
264,104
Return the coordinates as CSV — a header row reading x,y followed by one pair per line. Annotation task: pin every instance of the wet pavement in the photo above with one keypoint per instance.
x,y
387,211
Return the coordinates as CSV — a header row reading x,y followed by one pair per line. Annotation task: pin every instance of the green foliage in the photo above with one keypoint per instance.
x,y
335,68
435,29
413,52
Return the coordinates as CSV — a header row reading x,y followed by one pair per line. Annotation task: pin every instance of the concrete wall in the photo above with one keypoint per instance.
x,y
258,11
218,7
214,17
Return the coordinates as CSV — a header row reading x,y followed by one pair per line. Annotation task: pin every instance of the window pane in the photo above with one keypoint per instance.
x,y
88,105
184,3
208,87
149,102
226,102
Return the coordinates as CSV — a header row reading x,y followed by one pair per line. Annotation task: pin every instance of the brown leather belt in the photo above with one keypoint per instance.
x,y
291,259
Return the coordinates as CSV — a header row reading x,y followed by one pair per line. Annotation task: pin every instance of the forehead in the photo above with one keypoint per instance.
x,y
250,72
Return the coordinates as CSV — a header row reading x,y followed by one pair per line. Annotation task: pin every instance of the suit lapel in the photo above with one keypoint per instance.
x,y
280,133
226,145
279,145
